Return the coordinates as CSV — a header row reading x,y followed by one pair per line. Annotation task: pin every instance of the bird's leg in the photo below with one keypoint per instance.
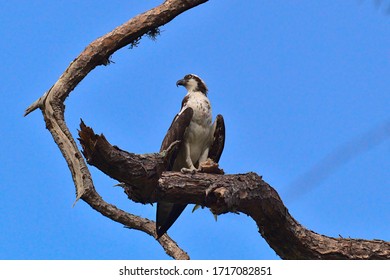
x,y
203,158
191,168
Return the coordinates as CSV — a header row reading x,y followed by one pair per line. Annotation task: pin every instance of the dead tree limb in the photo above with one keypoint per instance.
x,y
52,107
249,194
245,193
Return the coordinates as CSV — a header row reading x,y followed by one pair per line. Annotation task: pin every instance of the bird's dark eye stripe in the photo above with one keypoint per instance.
x,y
188,76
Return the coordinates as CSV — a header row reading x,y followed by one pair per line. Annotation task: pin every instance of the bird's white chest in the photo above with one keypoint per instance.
x,y
198,134
200,104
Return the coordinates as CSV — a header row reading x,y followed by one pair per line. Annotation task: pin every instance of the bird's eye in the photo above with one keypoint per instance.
x,y
189,76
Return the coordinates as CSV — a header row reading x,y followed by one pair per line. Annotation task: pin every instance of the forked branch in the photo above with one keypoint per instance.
x,y
52,107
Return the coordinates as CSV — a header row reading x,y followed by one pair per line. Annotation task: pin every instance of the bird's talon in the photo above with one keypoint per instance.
x,y
188,170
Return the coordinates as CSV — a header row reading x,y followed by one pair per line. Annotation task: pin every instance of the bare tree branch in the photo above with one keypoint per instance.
x,y
52,107
134,222
147,181
249,194
246,193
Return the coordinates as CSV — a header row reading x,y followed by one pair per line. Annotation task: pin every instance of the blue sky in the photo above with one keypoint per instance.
x,y
295,81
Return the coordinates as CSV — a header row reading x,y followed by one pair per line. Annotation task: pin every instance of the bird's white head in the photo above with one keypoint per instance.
x,y
193,83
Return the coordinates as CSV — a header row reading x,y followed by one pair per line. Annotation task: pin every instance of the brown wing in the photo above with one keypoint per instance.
x,y
167,213
218,144
176,133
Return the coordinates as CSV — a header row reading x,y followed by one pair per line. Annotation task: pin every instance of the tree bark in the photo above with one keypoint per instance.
x,y
245,193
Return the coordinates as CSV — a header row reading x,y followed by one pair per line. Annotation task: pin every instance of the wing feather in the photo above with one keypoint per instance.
x,y
167,213
176,133
218,143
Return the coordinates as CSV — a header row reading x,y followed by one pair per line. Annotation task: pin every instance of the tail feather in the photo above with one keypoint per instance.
x,y
167,214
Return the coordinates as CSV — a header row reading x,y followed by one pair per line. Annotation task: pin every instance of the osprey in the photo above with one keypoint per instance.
x,y
199,138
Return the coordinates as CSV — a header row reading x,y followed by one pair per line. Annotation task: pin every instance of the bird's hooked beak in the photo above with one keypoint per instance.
x,y
181,82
